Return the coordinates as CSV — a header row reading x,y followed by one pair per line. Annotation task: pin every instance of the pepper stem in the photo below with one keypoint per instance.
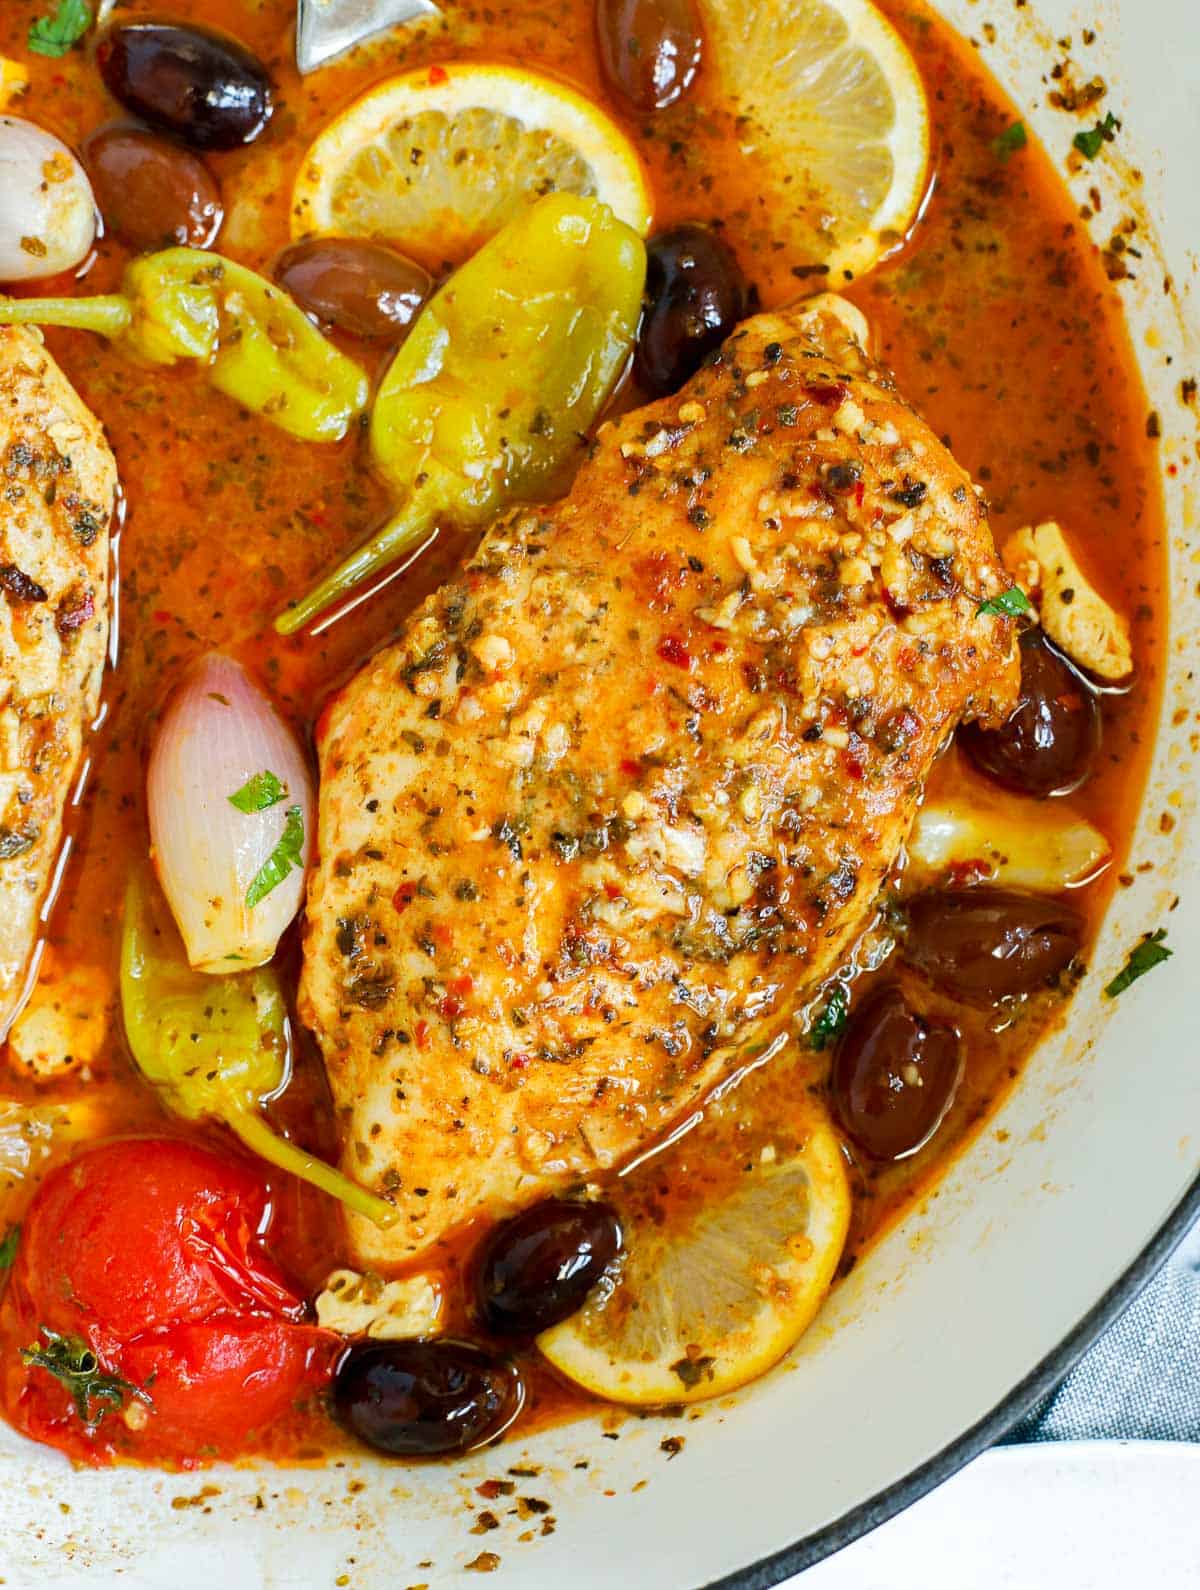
x,y
108,314
399,535
259,1137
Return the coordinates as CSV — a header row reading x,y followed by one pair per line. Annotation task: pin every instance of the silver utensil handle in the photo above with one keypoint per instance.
x,y
328,28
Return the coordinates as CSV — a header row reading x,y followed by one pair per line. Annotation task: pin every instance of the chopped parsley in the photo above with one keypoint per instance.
x,y
1010,140
1090,143
831,1023
71,1360
1012,603
259,792
55,35
288,853
8,1247
1151,952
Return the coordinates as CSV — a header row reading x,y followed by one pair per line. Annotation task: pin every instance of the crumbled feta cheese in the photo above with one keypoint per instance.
x,y
366,1305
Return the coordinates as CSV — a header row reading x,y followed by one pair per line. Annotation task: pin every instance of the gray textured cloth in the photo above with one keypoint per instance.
x,y
1141,1380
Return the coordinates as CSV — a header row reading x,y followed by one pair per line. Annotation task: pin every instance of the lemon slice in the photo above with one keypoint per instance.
x,y
438,160
708,1301
833,116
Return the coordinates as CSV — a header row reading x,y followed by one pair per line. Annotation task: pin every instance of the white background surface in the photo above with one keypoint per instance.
x,y
1059,1516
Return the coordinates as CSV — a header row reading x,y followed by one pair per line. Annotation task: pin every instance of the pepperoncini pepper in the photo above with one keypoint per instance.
x,y
257,346
505,369
216,1047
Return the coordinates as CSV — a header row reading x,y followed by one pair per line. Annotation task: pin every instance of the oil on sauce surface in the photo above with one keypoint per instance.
x,y
997,318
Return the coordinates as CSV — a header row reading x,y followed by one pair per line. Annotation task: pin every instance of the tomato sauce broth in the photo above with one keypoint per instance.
x,y
996,316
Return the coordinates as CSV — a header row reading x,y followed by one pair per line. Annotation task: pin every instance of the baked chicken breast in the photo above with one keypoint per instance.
x,y
623,793
58,485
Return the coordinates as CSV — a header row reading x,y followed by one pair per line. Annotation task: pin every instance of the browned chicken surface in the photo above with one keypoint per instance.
x,y
626,789
57,488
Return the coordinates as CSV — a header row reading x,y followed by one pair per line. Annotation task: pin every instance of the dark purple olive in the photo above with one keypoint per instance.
x,y
1050,740
202,87
151,192
695,296
537,1268
895,1076
425,1399
362,287
983,945
649,50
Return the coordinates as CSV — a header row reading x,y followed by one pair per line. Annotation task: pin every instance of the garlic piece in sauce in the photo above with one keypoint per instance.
x,y
47,212
1022,844
357,1305
1073,613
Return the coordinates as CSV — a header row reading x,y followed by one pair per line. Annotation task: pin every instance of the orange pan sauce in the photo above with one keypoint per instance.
x,y
997,318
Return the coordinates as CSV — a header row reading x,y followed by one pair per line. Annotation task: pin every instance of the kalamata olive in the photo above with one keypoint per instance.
x,y
1053,733
649,50
696,294
537,1268
895,1076
365,288
47,212
151,192
982,945
202,87
425,1399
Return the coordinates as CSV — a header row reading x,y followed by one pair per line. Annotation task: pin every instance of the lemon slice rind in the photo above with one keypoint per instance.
x,y
833,111
757,1275
437,160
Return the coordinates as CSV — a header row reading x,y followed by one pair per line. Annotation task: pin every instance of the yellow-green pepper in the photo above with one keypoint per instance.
x,y
257,346
504,370
215,1047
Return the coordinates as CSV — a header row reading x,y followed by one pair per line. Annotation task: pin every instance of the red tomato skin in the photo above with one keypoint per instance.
x,y
147,1248
214,1386
142,1233
35,1403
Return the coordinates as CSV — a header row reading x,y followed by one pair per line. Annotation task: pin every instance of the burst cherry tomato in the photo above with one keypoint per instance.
x,y
143,1317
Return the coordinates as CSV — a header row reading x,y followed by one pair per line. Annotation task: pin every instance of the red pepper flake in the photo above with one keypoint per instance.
x,y
720,646
403,896
829,396
161,616
630,766
519,1061
672,650
421,1034
437,76
853,766
451,1008
860,491
70,619
613,891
